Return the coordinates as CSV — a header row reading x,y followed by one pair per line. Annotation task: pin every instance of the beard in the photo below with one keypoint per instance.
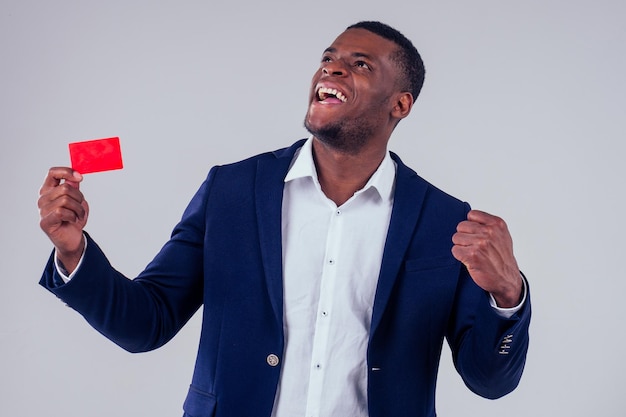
x,y
350,135
345,137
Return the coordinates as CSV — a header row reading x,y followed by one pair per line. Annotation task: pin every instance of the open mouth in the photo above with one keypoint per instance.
x,y
330,95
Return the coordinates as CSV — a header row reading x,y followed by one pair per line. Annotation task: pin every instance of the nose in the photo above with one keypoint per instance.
x,y
334,68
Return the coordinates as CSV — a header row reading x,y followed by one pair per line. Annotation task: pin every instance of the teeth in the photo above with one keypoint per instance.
x,y
324,92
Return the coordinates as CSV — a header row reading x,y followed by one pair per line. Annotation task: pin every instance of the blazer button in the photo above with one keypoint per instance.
x,y
272,360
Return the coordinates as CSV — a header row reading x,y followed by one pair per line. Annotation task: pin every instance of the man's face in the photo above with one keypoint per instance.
x,y
352,92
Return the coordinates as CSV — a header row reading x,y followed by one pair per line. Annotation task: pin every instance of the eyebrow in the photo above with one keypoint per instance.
x,y
353,54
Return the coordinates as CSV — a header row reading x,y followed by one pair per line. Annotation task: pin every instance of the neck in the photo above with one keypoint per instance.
x,y
340,174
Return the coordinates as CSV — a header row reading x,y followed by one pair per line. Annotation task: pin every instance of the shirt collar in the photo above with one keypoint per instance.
x,y
382,180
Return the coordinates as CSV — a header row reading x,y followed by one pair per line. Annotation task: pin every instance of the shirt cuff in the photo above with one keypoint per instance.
x,y
507,313
63,273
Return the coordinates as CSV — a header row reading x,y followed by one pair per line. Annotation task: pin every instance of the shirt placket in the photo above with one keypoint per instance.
x,y
324,319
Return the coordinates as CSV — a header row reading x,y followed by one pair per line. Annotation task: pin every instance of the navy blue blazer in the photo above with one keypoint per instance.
x,y
225,254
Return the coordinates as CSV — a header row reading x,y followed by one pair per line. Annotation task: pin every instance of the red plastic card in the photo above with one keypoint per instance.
x,y
96,155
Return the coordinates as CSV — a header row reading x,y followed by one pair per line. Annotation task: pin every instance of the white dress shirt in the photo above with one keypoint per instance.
x,y
331,262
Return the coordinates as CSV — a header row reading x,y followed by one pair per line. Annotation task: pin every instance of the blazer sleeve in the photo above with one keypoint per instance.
x,y
143,313
489,351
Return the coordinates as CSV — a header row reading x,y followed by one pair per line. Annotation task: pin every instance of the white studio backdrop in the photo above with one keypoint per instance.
x,y
521,115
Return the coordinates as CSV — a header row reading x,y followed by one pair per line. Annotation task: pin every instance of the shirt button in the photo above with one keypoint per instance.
x,y
331,261
272,360
324,313
318,366
338,212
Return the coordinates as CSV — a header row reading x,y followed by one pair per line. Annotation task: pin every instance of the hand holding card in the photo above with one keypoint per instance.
x,y
96,155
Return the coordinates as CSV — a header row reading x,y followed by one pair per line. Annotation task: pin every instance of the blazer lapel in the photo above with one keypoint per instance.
x,y
409,194
269,185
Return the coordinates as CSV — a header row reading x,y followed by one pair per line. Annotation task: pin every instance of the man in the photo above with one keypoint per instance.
x,y
330,273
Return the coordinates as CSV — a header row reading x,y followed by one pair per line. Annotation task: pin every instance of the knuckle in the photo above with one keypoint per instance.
x,y
471,255
64,200
481,244
65,187
500,223
56,212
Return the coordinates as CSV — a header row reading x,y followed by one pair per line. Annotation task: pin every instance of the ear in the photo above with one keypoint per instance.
x,y
403,105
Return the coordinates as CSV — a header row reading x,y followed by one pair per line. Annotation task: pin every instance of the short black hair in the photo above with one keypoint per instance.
x,y
408,58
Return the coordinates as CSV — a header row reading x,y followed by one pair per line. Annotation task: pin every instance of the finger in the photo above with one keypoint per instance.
x,y
482,217
461,254
57,216
85,215
58,174
57,195
462,239
470,227
78,206
85,207
474,257
62,196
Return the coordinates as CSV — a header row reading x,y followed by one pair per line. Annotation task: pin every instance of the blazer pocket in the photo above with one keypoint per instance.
x,y
425,264
199,403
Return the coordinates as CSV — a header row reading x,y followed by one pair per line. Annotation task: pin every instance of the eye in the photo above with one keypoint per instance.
x,y
326,58
362,64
